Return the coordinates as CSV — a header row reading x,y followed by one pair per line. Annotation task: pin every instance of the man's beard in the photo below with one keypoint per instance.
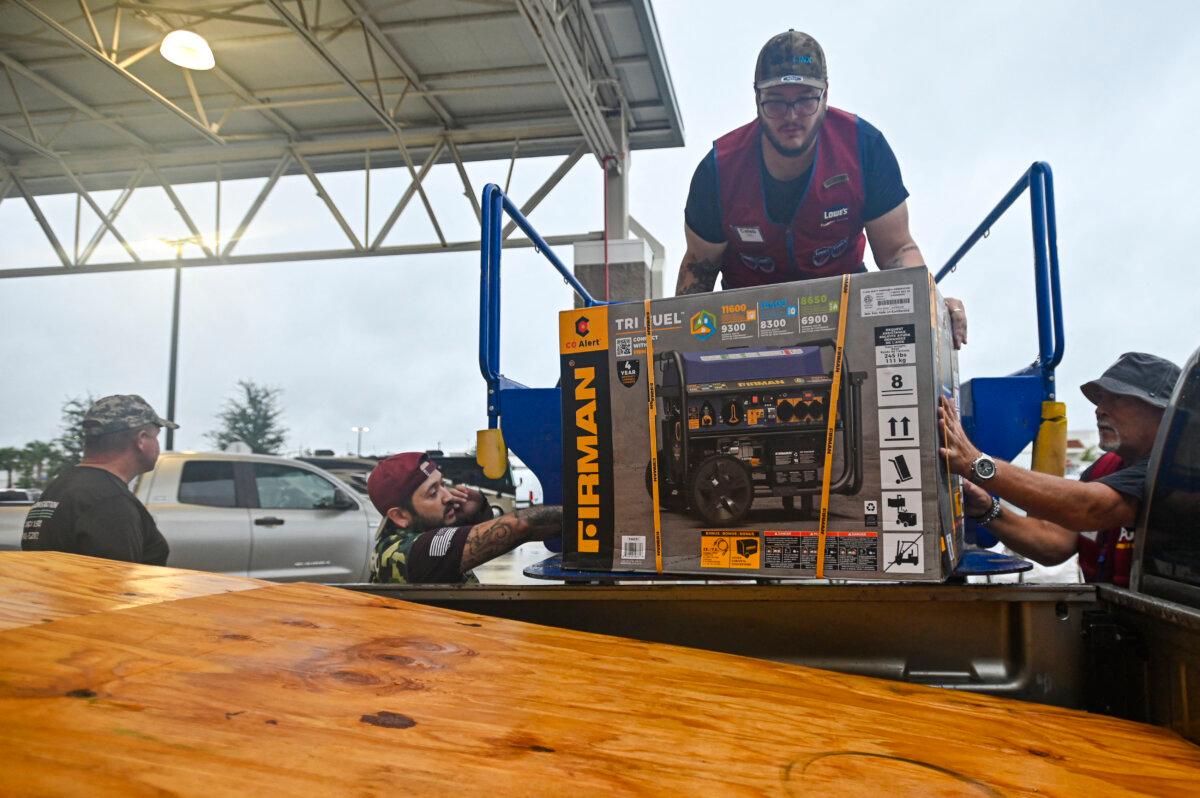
x,y
421,524
793,152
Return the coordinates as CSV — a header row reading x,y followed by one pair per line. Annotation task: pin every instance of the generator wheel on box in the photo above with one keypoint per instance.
x,y
721,490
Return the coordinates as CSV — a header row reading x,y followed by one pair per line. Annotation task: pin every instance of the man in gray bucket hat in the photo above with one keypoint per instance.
x,y
1095,515
90,509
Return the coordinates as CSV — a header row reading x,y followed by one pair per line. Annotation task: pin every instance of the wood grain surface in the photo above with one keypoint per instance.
x,y
303,689
39,587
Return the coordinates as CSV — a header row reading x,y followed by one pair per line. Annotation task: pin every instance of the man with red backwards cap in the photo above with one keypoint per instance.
x,y
789,195
436,533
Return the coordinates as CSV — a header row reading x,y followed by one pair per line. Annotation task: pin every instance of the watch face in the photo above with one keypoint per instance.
x,y
985,468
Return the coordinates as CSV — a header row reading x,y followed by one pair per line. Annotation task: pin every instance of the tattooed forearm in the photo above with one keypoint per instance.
x,y
493,538
902,255
697,277
540,519
486,542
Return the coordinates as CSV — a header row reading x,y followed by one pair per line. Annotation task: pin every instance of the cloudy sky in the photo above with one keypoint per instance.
x,y
968,94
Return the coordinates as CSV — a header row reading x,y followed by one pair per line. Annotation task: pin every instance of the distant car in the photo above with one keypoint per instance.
x,y
351,470
19,495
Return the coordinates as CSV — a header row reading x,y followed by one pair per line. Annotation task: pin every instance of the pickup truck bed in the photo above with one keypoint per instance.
x,y
222,687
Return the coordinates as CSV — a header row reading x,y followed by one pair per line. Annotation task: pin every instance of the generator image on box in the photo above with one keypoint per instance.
x,y
735,426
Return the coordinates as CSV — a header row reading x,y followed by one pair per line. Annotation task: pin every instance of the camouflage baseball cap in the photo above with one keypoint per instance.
x,y
791,59
120,412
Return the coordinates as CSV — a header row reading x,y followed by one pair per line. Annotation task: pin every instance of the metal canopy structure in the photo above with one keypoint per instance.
x,y
87,103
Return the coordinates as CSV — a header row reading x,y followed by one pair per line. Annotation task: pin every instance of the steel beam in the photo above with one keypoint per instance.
x,y
242,93
112,214
252,211
96,55
407,196
381,113
451,20
573,77
87,197
84,108
28,142
400,62
181,210
553,180
41,220
466,181
198,13
328,200
295,257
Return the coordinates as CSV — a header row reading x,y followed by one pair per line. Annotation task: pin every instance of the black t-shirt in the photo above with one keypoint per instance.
x,y
1129,481
91,511
883,187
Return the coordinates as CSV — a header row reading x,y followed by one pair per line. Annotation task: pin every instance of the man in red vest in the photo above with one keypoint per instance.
x,y
790,195
1064,514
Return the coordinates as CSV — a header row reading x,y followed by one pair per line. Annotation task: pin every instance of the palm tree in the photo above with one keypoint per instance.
x,y
36,454
10,459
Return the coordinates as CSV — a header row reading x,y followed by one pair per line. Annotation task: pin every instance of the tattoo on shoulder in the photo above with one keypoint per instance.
x,y
698,277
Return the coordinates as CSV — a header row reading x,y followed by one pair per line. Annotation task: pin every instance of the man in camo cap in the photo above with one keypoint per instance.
x,y
789,195
90,509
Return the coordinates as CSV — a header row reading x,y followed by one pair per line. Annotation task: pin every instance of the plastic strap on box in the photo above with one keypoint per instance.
x,y
831,425
652,408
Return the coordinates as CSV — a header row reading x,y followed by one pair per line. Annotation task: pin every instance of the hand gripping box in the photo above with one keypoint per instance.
x,y
721,433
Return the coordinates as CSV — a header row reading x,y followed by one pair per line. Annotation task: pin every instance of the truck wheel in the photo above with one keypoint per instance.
x,y
721,490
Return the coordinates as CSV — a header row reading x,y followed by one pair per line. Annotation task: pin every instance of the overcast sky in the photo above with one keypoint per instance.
x,y
968,94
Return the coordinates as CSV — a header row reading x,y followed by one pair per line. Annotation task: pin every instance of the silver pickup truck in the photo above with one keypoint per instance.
x,y
249,515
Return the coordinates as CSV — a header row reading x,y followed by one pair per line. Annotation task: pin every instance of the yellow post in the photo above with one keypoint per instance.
x,y
491,453
1050,446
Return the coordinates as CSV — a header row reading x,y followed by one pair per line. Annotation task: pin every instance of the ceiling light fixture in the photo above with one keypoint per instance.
x,y
188,50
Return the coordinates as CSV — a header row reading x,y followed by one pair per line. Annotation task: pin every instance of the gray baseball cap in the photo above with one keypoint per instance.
x,y
120,412
1137,374
791,59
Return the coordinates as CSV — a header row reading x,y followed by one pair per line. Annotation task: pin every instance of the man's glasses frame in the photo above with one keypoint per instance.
x,y
804,106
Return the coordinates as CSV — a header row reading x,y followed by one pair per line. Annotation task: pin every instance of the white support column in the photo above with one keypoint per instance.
x,y
620,269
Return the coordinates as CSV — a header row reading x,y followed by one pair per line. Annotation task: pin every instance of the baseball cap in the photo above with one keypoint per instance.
x,y
121,411
1137,374
791,59
395,479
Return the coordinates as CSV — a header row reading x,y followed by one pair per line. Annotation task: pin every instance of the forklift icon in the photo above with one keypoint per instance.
x,y
907,553
904,517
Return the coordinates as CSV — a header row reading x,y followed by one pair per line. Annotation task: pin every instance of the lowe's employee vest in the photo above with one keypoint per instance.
x,y
1108,557
825,236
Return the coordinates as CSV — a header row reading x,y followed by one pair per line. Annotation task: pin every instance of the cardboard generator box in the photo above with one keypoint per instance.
x,y
722,434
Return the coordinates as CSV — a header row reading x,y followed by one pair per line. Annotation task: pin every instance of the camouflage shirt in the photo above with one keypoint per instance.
x,y
393,545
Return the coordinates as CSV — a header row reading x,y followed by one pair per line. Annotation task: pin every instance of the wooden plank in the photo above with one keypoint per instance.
x,y
315,690
39,587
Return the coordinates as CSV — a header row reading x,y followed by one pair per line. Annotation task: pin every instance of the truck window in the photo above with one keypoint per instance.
x,y
1172,545
208,482
283,487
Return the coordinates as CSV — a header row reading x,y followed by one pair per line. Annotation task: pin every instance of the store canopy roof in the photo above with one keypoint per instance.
x,y
87,98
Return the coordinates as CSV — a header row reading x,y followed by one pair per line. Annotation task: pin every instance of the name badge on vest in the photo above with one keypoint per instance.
x,y
749,235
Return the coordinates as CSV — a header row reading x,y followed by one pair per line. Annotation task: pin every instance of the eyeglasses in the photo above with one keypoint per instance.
x,y
778,109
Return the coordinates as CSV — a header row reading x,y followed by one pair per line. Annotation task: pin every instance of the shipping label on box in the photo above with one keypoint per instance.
x,y
695,432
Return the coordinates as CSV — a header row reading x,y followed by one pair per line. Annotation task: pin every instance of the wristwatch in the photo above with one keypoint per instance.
x,y
991,515
983,468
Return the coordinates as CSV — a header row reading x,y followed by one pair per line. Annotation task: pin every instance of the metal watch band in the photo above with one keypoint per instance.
x,y
991,515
